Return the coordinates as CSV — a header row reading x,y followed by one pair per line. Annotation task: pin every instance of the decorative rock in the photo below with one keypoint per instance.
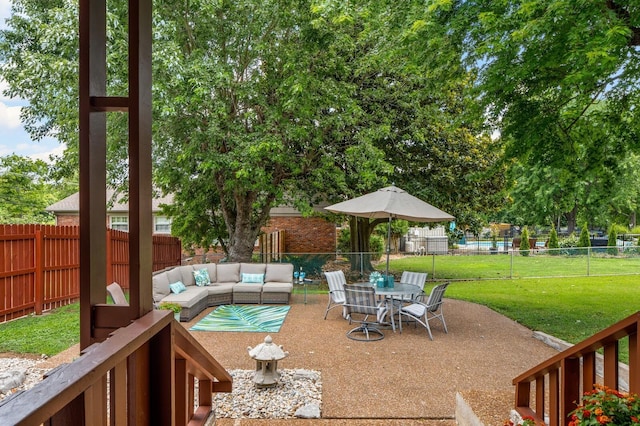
x,y
28,367
306,374
12,379
309,411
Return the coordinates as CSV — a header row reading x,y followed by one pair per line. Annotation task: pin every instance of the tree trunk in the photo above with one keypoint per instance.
x,y
360,231
571,219
241,245
243,228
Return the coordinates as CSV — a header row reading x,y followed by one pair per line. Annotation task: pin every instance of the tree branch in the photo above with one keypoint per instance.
x,y
624,15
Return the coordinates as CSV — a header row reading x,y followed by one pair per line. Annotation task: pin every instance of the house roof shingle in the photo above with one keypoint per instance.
x,y
71,204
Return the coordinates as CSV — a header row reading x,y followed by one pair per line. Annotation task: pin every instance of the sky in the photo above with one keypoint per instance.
x,y
13,137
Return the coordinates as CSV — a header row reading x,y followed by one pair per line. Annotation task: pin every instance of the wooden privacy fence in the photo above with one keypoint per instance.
x,y
40,265
272,245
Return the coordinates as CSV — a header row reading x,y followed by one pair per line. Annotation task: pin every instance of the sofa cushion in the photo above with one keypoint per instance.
x,y
186,272
177,287
277,287
160,286
220,288
228,272
252,278
174,275
279,272
211,269
253,268
247,288
189,298
201,277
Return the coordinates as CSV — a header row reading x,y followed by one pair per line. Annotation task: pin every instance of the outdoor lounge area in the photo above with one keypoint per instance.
x,y
405,378
460,377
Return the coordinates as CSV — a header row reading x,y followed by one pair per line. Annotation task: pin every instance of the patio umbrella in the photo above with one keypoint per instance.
x,y
392,203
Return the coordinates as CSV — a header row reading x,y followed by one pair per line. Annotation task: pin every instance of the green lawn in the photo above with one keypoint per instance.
x,y
46,334
570,308
507,266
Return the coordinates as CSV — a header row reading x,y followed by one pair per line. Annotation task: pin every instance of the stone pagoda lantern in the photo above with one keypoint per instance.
x,y
267,355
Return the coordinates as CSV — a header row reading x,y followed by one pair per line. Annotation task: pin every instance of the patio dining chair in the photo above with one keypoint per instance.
x,y
415,278
423,312
366,310
336,281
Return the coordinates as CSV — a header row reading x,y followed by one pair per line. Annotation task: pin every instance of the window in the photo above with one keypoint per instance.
x,y
162,225
120,223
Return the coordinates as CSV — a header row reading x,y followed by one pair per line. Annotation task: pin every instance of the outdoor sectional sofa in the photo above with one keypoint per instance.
x,y
227,283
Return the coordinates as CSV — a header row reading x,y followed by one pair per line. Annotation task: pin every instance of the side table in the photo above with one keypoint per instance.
x,y
305,283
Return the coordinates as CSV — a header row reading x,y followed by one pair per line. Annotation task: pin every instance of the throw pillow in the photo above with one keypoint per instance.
x,y
202,277
177,287
253,278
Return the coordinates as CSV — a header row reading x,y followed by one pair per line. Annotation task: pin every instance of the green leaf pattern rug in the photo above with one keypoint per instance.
x,y
256,318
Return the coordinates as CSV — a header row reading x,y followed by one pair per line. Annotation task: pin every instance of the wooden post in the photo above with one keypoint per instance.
x,y
140,188
93,105
93,154
569,387
634,361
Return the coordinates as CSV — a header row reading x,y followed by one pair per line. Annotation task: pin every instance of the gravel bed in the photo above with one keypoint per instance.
x,y
295,389
33,374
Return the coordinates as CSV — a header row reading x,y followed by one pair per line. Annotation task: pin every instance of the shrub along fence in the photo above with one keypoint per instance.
x,y
40,265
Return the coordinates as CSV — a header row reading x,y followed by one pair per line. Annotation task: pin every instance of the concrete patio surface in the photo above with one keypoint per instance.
x,y
404,379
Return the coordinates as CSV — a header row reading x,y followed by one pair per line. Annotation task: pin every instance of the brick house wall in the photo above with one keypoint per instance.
x,y
68,220
304,234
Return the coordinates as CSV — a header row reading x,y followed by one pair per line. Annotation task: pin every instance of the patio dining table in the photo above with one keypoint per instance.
x,y
395,295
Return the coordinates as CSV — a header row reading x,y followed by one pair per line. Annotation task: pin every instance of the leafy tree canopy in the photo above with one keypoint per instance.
x,y
27,188
559,79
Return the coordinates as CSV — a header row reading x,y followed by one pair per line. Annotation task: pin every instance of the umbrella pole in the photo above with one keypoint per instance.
x,y
388,245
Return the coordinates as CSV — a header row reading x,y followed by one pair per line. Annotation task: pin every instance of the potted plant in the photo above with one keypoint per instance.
x,y
526,421
171,306
604,405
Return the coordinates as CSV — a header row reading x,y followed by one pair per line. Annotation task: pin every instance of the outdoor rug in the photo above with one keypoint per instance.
x,y
257,318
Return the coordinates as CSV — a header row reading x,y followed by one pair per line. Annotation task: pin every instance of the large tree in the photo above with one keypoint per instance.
x,y
250,107
259,104
559,79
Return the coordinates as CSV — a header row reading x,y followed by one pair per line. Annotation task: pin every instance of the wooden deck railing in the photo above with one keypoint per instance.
x,y
556,385
143,374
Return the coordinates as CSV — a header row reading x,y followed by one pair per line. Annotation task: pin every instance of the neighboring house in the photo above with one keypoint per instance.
x,y
67,211
302,235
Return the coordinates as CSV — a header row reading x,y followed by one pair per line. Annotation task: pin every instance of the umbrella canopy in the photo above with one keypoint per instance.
x,y
391,202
